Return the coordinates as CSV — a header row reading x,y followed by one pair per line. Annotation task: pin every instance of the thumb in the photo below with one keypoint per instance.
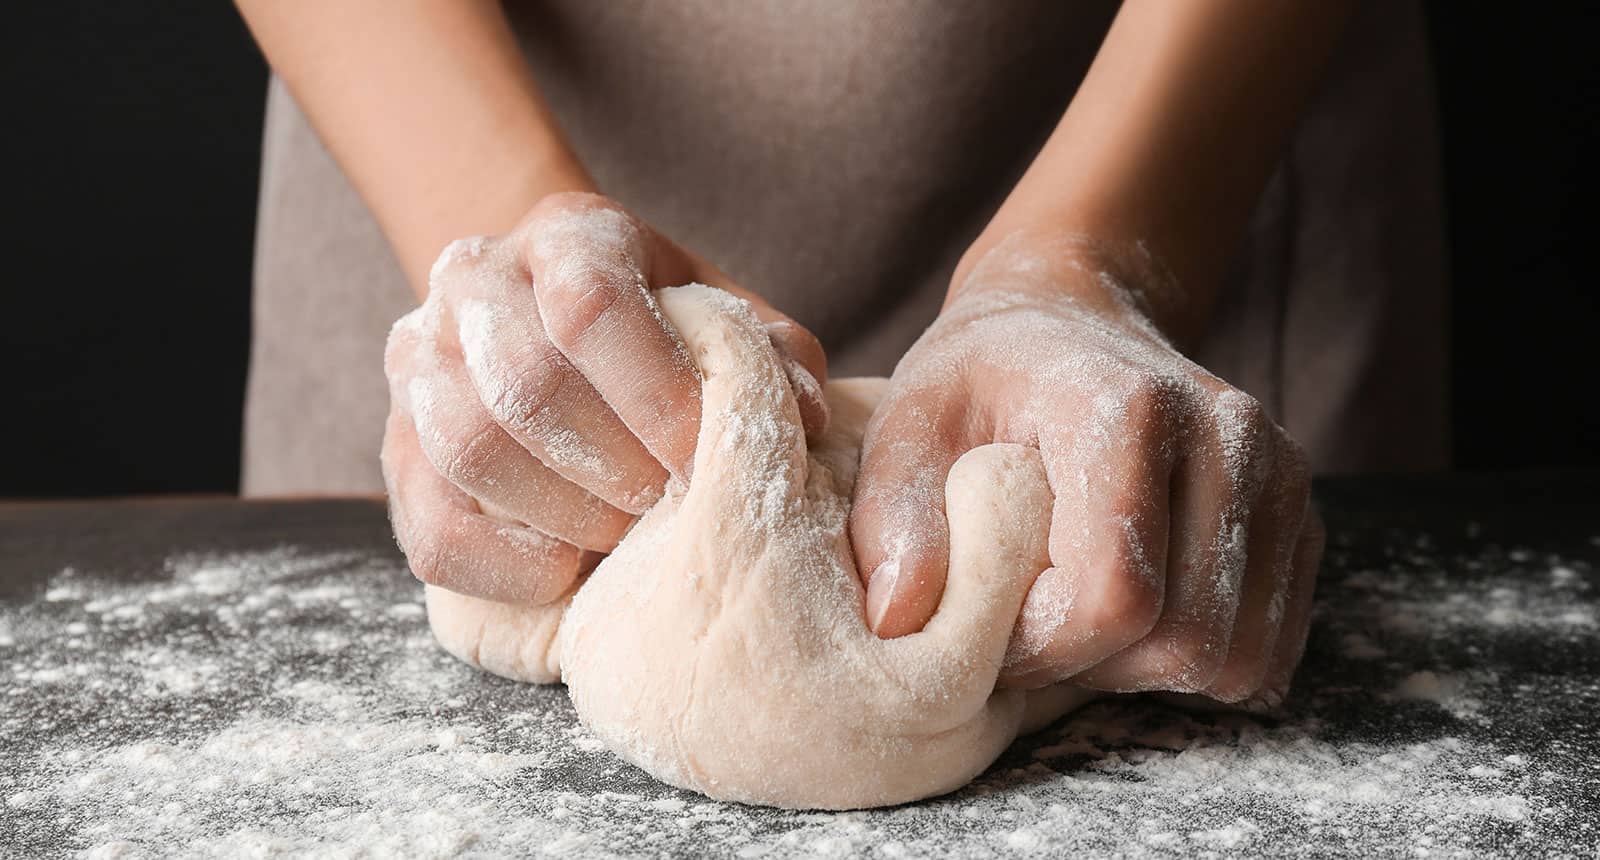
x,y
897,524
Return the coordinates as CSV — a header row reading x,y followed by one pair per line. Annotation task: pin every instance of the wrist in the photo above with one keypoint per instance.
x,y
1120,280
496,209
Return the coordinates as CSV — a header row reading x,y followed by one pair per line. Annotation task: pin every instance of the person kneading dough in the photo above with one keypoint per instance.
x,y
1114,252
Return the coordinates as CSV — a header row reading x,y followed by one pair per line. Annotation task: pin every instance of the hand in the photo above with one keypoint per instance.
x,y
539,401
1183,549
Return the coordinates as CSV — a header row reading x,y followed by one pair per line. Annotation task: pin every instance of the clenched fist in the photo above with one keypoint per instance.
x,y
1183,548
540,401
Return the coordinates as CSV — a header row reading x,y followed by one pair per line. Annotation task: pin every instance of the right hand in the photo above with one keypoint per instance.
x,y
1182,544
539,401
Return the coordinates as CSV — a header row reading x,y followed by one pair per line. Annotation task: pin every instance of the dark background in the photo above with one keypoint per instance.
x,y
127,321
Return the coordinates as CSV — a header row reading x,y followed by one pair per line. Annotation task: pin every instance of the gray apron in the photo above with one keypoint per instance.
x,y
838,158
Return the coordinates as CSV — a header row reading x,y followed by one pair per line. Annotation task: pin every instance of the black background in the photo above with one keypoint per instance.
x,y
127,316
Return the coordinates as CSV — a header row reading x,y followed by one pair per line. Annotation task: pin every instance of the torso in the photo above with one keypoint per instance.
x,y
838,158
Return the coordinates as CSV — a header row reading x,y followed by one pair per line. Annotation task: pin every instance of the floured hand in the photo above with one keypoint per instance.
x,y
1183,547
539,400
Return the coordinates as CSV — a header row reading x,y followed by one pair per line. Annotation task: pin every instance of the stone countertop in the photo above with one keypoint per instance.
x,y
221,678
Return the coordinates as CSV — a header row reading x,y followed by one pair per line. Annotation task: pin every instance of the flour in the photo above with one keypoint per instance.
x,y
199,705
1447,691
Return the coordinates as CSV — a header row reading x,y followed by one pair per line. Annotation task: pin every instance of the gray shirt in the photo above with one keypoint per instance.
x,y
838,158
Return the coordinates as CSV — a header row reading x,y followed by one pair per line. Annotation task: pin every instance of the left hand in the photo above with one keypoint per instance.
x,y
539,400
1183,547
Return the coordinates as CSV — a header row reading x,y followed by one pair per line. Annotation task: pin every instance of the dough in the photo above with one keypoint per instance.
x,y
723,646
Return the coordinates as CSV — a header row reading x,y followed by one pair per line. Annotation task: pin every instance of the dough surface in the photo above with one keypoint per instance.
x,y
723,646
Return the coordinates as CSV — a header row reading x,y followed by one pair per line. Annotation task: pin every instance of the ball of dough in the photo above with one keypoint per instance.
x,y
723,646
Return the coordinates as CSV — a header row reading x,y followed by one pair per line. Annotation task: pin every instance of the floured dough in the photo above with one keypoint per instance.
x,y
723,646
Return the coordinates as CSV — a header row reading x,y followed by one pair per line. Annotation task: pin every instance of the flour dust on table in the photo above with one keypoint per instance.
x,y
284,703
292,702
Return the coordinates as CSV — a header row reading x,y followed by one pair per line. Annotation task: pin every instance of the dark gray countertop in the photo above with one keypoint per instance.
x,y
209,677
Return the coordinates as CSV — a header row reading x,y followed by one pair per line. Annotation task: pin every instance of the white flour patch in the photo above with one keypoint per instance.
x,y
1450,692
290,703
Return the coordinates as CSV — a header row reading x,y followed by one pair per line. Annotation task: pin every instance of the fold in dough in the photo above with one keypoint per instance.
x,y
723,646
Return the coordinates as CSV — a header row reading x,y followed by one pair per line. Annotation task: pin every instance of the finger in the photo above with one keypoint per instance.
x,y
1291,643
448,542
590,266
1104,590
804,361
467,447
1274,534
897,524
793,341
532,391
1213,492
1108,548
808,397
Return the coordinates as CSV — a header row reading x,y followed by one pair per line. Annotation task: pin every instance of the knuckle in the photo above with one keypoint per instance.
x,y
1293,466
1242,434
1195,658
569,236
865,516
1240,418
524,401
563,203
556,579
909,508
1244,672
467,455
573,305
1127,601
459,450
881,536
428,557
1238,681
1145,401
456,261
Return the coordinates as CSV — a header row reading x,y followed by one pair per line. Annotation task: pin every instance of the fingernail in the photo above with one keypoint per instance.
x,y
880,589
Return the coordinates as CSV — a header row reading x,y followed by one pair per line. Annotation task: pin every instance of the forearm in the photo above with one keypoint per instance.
x,y
428,107
1171,137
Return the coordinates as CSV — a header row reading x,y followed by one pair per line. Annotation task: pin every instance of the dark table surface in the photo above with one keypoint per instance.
x,y
221,678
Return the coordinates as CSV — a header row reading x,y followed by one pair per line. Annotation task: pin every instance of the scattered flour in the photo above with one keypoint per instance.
x,y
1447,691
289,703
